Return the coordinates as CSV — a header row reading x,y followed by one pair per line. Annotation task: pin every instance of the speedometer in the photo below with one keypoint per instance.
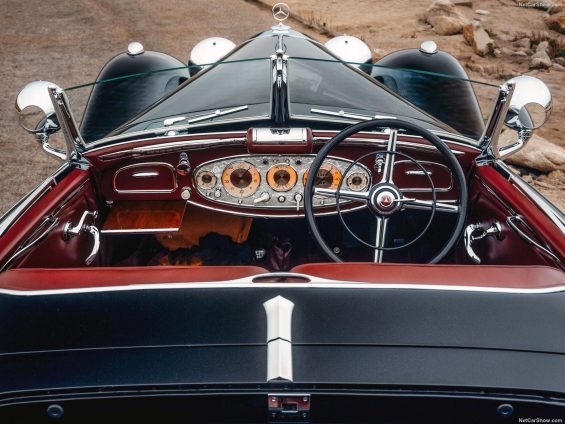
x,y
241,179
328,176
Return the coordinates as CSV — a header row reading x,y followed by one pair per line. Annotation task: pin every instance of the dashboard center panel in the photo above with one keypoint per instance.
x,y
275,181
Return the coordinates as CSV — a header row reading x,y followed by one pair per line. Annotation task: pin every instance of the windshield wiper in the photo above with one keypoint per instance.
x,y
170,121
350,115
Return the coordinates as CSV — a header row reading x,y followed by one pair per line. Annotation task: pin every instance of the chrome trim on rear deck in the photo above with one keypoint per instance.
x,y
312,283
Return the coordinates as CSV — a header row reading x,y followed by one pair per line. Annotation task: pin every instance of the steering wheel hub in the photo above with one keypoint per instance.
x,y
384,199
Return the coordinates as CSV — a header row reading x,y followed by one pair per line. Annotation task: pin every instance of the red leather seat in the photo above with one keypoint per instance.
x,y
64,278
519,277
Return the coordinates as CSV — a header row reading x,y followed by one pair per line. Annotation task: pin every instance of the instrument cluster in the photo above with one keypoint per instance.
x,y
275,181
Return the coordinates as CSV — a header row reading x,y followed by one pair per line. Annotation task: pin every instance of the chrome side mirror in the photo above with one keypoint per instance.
x,y
37,114
530,106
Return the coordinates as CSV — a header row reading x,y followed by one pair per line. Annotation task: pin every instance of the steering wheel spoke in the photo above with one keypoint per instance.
x,y
380,238
359,196
388,168
428,205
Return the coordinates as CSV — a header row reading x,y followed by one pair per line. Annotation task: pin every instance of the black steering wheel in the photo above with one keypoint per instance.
x,y
384,198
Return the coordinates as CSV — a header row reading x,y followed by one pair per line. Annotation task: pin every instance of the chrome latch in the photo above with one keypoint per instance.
x,y
475,232
70,231
293,408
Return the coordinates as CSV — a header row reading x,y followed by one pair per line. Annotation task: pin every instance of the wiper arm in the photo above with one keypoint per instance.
x,y
170,121
350,115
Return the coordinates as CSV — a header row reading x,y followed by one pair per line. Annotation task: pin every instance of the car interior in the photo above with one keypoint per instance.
x,y
227,206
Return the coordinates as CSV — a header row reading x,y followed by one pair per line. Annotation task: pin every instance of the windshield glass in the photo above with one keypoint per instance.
x,y
239,89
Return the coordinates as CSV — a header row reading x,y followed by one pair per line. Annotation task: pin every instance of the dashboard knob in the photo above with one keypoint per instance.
x,y
298,198
265,197
183,168
217,193
185,193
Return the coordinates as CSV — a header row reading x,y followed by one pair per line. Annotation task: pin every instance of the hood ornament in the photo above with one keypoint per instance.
x,y
281,12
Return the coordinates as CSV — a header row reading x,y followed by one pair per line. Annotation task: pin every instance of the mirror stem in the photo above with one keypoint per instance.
x,y
493,127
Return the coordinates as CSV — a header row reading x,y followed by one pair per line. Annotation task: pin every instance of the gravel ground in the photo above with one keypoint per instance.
x,y
67,42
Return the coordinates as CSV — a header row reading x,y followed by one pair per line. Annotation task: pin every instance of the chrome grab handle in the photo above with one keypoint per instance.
x,y
510,221
70,230
96,238
477,232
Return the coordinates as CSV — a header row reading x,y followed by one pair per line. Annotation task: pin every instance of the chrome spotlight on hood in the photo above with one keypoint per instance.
x,y
352,50
208,51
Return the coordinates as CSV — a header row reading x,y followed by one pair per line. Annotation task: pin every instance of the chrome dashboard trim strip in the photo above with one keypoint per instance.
x,y
161,132
268,215
313,283
383,143
166,147
149,164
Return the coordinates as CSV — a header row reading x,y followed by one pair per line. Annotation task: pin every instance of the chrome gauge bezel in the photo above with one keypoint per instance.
x,y
279,200
242,192
203,185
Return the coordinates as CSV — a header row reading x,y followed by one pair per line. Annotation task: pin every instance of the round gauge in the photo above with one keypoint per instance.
x,y
357,181
206,180
328,177
282,177
241,179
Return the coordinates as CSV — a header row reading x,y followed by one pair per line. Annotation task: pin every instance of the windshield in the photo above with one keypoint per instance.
x,y
239,90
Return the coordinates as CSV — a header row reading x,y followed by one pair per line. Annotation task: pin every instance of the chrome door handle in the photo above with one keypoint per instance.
x,y
476,232
96,246
70,231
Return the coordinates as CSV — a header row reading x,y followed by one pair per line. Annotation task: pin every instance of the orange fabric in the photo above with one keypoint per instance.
x,y
198,222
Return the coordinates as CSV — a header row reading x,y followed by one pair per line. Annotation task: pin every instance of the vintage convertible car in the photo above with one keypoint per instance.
x,y
282,231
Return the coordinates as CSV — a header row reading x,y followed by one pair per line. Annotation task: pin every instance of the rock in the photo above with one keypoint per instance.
x,y
477,37
444,18
560,60
524,42
558,6
506,51
541,57
482,12
497,53
543,47
556,22
540,60
475,67
463,3
520,53
558,67
539,153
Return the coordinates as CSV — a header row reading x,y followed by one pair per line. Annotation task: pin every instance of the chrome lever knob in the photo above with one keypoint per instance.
x,y
96,246
70,231
475,232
